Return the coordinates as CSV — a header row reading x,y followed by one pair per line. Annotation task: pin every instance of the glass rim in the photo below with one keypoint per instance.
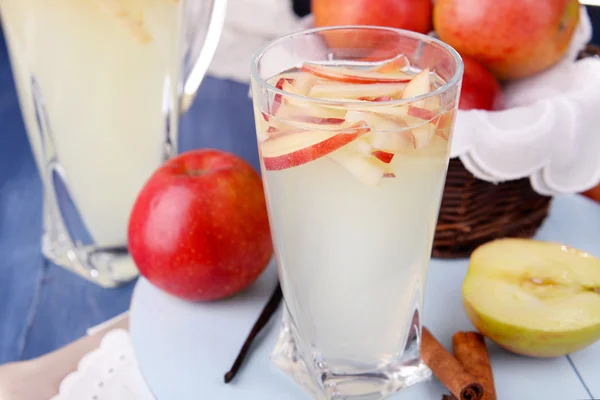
x,y
452,82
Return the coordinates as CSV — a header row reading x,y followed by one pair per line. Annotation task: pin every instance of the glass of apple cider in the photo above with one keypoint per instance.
x,y
354,126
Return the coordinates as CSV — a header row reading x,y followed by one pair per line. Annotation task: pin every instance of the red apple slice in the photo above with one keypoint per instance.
x,y
444,124
395,65
411,111
315,124
367,169
309,119
422,135
359,91
396,113
416,133
285,75
436,81
419,85
279,128
294,148
401,112
388,133
261,121
277,98
376,99
295,107
301,85
302,113
422,113
376,122
383,156
391,142
292,114
350,75
434,103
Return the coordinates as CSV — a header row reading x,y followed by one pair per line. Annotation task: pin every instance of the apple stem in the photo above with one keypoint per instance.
x,y
267,312
196,172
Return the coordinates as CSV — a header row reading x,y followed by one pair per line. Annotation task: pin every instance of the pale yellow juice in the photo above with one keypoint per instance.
x,y
353,258
353,195
104,74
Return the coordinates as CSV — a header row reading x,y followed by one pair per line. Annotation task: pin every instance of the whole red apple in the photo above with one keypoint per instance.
x,y
414,15
511,38
480,90
199,228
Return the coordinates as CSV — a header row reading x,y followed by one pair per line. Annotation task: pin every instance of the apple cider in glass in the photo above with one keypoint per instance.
x,y
354,155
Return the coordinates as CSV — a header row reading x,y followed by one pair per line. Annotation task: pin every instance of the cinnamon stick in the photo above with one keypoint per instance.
x,y
593,193
469,348
448,369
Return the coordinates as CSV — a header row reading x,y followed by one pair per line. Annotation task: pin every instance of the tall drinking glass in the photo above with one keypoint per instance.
x,y
101,85
354,127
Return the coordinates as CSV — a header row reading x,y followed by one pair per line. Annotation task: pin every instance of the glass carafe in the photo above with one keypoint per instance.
x,y
101,86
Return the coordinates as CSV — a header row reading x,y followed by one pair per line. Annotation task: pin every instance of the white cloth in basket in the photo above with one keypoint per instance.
x,y
550,131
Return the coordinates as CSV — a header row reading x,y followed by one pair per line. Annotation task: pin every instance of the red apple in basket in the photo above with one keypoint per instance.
x,y
511,38
199,228
480,90
414,15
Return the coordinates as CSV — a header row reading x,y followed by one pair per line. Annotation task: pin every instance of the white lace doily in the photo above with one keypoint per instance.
x,y
109,372
549,134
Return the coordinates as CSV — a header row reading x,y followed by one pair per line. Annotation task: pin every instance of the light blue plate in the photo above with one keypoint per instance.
x,y
185,349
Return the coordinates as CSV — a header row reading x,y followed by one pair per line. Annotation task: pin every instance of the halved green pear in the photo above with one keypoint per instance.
x,y
534,298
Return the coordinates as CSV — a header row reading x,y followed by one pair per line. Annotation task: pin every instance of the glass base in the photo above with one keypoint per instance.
x,y
106,267
66,242
322,384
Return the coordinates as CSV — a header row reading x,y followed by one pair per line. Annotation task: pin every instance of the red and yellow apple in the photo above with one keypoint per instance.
x,y
414,15
511,38
199,228
480,90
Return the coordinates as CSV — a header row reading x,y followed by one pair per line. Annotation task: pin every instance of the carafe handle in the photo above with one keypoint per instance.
x,y
202,45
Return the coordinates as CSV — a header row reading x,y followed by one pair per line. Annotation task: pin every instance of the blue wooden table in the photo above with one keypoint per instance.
x,y
42,306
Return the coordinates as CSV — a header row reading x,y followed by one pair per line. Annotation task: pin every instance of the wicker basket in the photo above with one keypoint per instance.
x,y
474,211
